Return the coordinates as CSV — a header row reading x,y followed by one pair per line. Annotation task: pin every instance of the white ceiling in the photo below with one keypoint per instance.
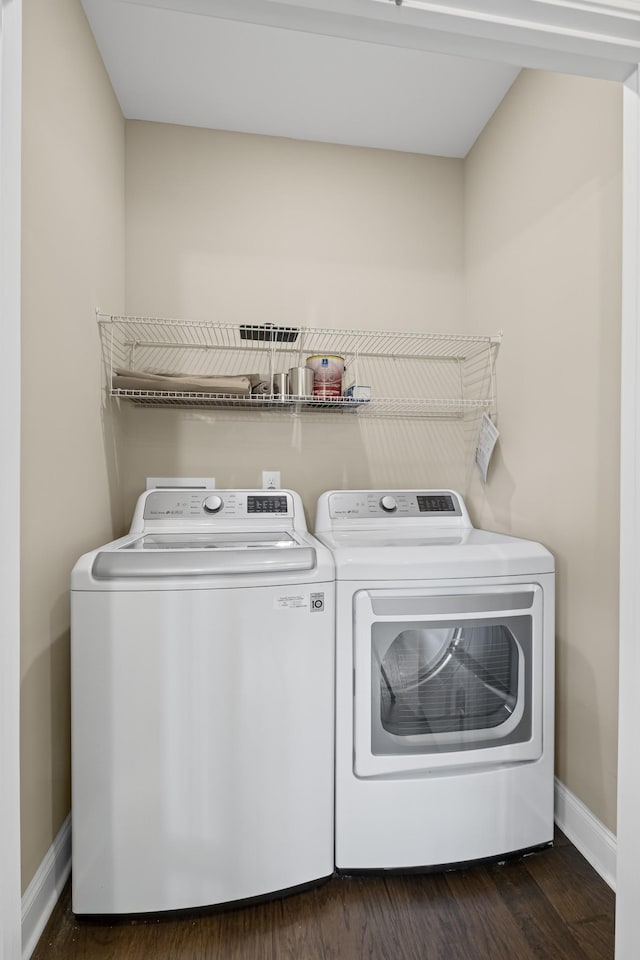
x,y
209,63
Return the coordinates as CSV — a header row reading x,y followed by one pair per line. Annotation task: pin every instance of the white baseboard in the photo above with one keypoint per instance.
x,y
43,892
594,841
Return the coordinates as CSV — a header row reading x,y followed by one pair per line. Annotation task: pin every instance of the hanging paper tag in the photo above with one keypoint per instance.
x,y
486,442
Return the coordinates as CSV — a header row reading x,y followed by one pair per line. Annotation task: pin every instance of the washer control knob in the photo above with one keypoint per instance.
x,y
389,504
213,504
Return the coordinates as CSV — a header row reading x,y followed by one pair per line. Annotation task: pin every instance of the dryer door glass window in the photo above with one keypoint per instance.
x,y
442,686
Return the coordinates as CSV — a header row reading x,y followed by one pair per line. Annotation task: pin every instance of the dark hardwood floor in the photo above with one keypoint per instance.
x,y
550,904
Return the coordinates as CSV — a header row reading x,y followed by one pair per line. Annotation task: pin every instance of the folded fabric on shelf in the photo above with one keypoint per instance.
x,y
260,386
238,385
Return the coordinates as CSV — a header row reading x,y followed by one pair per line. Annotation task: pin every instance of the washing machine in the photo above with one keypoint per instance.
x,y
444,682
202,705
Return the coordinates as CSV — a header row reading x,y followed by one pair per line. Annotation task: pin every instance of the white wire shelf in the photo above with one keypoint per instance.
x,y
409,374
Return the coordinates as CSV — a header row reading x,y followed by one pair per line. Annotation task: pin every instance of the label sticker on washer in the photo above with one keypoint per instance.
x,y
291,602
315,602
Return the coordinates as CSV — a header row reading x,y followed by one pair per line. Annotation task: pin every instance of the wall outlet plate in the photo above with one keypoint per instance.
x,y
270,479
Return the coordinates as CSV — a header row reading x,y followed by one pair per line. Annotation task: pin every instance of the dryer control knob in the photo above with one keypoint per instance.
x,y
213,504
389,504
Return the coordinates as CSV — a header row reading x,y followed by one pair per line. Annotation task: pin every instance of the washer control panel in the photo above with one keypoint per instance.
x,y
207,504
365,504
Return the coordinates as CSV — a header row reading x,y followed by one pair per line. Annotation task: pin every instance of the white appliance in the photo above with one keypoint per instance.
x,y
202,705
444,682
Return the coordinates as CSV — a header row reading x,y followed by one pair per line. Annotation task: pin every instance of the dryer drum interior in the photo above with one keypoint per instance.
x,y
450,686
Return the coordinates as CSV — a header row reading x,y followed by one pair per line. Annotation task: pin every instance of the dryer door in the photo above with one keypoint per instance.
x,y
447,678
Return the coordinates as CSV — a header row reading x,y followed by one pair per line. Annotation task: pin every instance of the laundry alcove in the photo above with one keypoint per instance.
x,y
535,370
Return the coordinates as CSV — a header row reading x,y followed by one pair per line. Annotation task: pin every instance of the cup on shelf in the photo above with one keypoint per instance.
x,y
280,384
300,382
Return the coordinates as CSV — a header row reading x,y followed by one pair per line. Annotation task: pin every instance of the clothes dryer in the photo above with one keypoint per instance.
x,y
202,705
444,682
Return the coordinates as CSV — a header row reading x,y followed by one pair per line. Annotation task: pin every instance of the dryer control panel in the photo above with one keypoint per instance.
x,y
366,504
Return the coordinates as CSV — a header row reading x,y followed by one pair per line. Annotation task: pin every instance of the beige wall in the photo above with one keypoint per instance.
x,y
543,262
72,261
232,227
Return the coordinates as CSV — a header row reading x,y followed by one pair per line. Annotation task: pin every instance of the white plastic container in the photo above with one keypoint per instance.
x,y
358,392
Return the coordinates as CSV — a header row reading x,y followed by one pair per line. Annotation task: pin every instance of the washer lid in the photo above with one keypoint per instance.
x,y
438,554
204,554
214,540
